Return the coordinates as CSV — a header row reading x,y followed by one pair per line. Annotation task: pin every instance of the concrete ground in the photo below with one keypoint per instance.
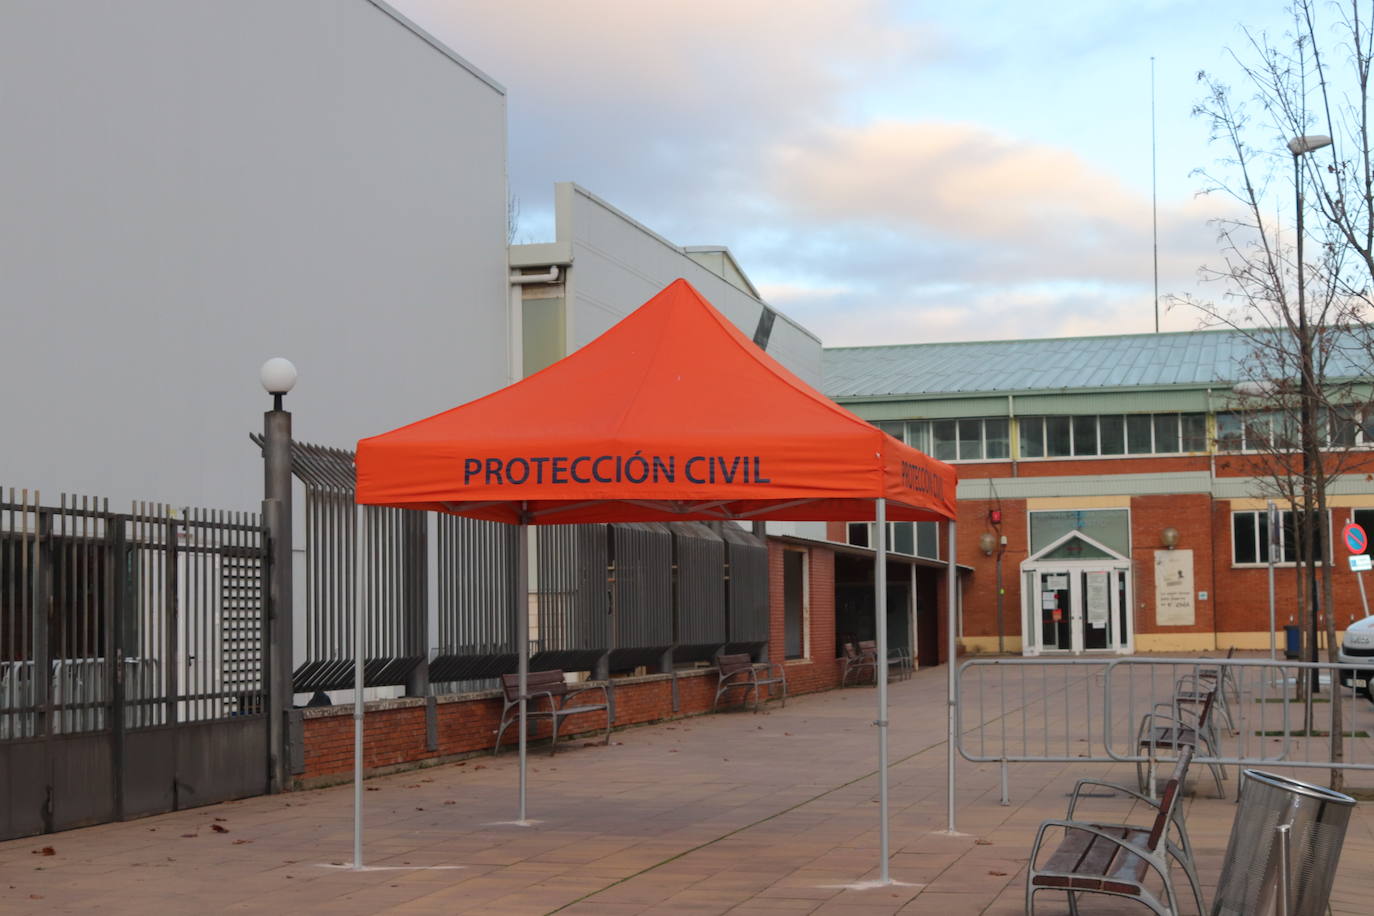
x,y
738,813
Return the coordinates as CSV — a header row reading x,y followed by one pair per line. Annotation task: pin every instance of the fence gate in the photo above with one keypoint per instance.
x,y
131,661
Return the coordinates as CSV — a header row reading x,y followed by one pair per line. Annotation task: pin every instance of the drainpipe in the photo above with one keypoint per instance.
x,y
516,355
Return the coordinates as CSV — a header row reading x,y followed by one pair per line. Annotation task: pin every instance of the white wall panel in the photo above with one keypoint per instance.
x,y
192,186
619,264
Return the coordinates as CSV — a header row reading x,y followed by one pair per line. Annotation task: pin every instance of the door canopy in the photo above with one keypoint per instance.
x,y
671,415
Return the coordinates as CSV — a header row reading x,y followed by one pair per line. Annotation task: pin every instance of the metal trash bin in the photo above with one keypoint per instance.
x,y
1316,818
1292,642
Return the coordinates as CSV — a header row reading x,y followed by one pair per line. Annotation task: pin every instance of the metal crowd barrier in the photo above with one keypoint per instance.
x,y
1088,710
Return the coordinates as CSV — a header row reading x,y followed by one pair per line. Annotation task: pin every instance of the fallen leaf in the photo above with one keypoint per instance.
x,y
419,809
35,896
450,803
241,842
373,789
45,851
982,842
218,828
461,763
1000,874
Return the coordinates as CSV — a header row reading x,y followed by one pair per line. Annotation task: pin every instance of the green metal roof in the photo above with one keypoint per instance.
x,y
1185,358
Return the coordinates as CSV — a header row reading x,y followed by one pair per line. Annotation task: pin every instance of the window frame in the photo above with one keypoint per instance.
x,y
1286,522
1037,429
867,529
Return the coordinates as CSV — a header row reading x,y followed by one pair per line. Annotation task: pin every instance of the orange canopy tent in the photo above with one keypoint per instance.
x,y
671,415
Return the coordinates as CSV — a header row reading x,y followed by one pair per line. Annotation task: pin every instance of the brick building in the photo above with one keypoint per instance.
x,y
1115,481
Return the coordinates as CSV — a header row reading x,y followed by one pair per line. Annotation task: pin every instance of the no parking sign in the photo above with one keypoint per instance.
x,y
1356,541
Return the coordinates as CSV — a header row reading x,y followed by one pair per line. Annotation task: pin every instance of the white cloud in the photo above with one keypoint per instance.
x,y
751,124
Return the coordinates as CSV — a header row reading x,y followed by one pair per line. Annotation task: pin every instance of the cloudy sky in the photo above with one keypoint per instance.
x,y
886,171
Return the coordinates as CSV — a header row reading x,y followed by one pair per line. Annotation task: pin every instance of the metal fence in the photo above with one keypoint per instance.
x,y
1090,710
604,598
127,629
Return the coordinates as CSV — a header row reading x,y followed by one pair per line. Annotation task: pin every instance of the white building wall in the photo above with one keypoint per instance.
x,y
619,264
192,186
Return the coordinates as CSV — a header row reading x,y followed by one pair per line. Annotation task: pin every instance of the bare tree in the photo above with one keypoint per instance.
x,y
512,218
1303,128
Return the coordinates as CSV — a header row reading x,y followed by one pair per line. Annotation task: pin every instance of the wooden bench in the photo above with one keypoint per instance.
x,y
864,658
857,661
1174,730
548,695
1114,859
740,671
1178,846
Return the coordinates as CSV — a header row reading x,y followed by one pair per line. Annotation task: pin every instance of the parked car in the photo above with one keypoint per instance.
x,y
1357,650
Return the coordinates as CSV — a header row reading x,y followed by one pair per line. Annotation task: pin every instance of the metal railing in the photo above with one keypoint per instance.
x,y
1090,710
156,608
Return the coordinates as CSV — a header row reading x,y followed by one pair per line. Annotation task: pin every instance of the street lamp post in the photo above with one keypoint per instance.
x,y
278,376
1307,392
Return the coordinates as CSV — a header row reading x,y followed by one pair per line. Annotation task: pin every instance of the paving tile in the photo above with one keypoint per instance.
x,y
775,824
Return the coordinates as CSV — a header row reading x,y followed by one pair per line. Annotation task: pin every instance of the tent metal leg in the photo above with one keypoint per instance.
x,y
522,639
880,674
359,707
952,624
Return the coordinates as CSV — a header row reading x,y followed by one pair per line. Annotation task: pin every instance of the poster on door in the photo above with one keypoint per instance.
x,y
1174,588
1097,600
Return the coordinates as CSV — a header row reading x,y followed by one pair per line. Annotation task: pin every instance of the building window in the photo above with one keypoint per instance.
x,y
1254,431
1113,434
1109,527
794,603
1250,540
920,539
970,439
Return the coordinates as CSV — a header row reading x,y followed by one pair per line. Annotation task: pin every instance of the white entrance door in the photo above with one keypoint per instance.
x,y
1077,605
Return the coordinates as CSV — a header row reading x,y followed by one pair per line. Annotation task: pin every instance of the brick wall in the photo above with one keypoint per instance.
x,y
819,670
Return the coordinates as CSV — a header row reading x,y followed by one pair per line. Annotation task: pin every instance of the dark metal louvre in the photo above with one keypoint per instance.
x,y
395,636
573,603
746,588
699,622
641,594
477,606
